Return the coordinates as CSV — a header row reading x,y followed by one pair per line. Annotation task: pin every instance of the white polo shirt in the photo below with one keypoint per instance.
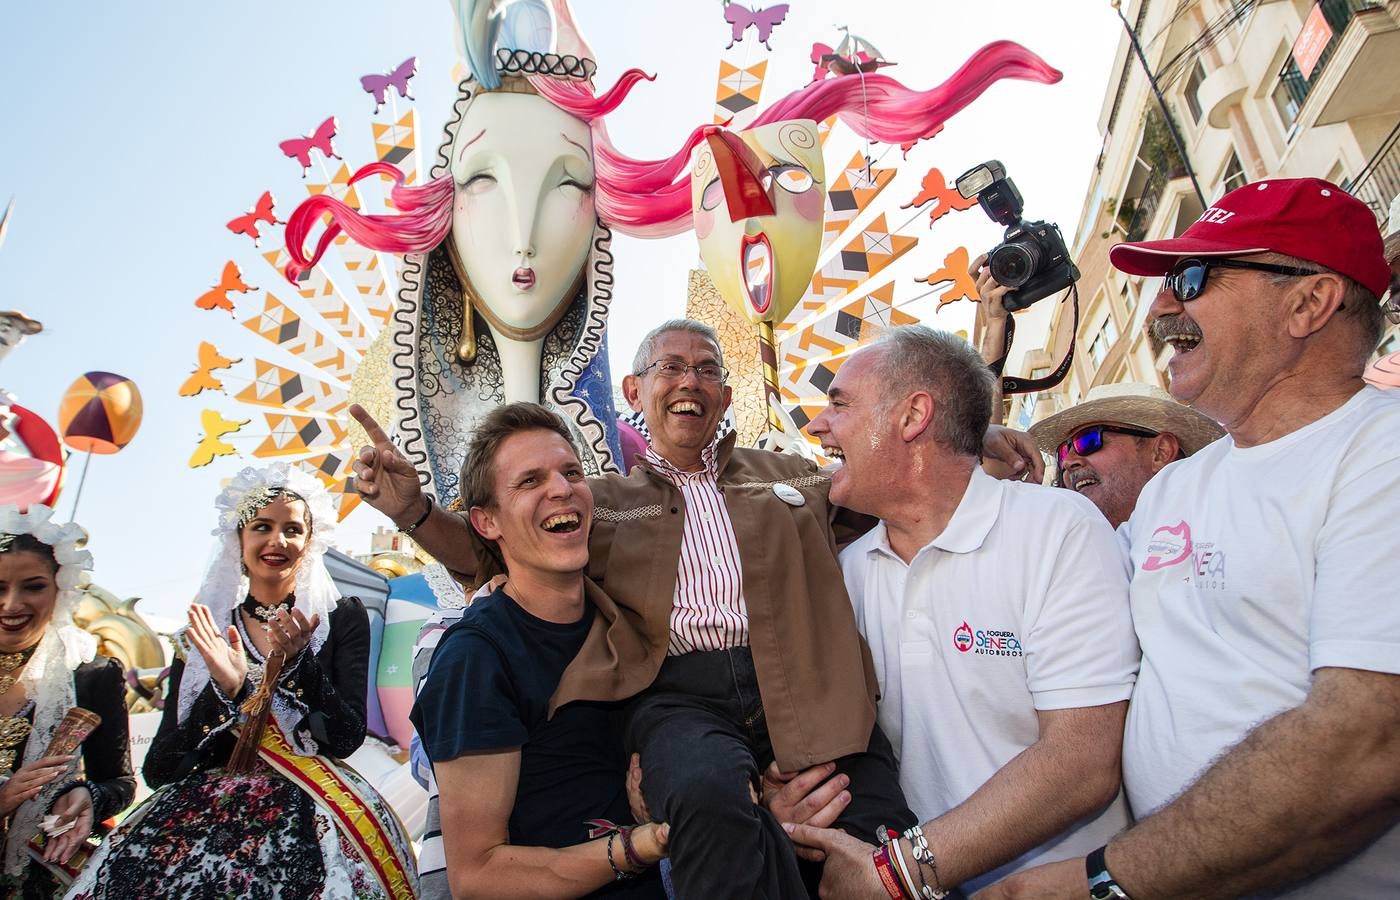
x,y
1253,567
1021,604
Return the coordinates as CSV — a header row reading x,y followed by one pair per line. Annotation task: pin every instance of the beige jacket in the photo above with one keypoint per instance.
x,y
814,670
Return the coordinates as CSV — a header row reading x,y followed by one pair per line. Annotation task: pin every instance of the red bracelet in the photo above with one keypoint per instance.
x,y
632,857
885,868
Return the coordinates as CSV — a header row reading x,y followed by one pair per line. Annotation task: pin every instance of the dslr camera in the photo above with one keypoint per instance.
x,y
1032,258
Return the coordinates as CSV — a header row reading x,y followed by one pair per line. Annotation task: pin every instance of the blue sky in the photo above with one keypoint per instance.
x,y
137,129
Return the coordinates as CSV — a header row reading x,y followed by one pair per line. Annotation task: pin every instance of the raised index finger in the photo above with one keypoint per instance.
x,y
371,427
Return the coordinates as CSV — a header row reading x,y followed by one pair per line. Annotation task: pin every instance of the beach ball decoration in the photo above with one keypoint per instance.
x,y
100,413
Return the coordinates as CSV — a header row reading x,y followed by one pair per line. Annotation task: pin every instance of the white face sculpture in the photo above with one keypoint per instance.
x,y
523,216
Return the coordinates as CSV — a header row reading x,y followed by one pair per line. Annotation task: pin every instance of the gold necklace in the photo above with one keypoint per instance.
x,y
9,662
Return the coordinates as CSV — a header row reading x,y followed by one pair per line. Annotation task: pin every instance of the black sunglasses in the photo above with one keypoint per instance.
x,y
1188,278
1090,440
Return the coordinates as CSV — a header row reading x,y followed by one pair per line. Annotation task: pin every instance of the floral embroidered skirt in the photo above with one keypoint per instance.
x,y
253,835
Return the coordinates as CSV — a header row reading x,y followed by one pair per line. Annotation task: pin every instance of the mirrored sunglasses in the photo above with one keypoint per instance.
x,y
1089,441
1188,278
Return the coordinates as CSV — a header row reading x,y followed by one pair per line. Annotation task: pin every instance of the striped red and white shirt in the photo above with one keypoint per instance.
x,y
708,610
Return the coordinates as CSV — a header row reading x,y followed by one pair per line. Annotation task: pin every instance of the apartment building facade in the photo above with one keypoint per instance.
x,y
1255,89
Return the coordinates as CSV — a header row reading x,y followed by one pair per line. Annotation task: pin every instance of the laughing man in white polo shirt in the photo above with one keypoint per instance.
x,y
997,615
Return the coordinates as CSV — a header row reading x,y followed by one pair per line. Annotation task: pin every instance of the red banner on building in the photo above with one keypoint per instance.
x,y
1312,40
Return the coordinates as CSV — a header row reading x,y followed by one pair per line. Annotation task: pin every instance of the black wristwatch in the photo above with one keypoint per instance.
x,y
1101,883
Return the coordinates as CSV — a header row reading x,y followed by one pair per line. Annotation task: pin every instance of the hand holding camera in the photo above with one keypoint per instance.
x,y
1032,261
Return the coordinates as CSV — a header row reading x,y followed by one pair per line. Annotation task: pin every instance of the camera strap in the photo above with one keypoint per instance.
x,y
1014,385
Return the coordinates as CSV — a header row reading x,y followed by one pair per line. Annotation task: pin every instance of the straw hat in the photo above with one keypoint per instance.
x,y
1143,406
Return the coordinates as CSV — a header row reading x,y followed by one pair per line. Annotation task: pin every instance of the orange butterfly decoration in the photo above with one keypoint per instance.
x,y
202,379
954,270
260,212
230,280
936,188
210,446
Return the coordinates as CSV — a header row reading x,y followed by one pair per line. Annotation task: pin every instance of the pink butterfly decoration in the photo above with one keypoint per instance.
x,y
300,148
740,18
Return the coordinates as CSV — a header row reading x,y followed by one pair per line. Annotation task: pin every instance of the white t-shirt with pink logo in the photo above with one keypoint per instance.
x,y
1251,568
1021,604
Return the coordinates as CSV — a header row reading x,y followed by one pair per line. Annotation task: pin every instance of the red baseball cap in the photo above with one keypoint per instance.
x,y
1308,218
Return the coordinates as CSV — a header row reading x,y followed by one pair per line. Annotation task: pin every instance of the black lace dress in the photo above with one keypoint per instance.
x,y
210,833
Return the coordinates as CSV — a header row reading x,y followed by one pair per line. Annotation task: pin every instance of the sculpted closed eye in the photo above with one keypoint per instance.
x,y
479,183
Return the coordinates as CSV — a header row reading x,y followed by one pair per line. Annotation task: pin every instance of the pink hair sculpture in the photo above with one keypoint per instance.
x,y
650,198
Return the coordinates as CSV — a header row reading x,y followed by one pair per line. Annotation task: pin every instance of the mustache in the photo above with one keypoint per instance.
x,y
1175,325
1073,478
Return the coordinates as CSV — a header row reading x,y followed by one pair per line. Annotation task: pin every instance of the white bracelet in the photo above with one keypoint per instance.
x,y
903,866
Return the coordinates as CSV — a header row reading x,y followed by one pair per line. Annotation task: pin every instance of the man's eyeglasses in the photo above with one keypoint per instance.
x,y
1090,440
1188,279
675,371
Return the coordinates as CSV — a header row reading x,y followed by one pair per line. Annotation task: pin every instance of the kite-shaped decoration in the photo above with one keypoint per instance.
x,y
935,189
954,270
741,18
379,84
211,446
202,379
230,280
259,212
300,148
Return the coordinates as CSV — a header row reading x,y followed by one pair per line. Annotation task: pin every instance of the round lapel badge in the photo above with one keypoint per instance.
x,y
789,494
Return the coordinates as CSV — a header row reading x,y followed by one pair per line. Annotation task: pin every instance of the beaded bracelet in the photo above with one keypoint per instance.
x,y
923,856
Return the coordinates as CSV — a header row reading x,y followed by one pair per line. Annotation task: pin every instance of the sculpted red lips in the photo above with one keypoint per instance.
x,y
523,279
756,258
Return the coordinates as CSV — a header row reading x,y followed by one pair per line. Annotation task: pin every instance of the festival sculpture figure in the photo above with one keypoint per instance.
x,y
527,152
59,765
266,696
15,326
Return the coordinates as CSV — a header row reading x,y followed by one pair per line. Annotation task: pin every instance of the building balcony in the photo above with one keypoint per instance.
x,y
1379,181
1222,89
1363,76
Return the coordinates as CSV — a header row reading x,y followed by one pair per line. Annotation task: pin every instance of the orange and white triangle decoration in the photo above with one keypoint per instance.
x,y
293,435
284,388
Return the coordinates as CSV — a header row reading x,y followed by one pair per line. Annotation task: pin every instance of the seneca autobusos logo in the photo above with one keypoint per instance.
x,y
986,641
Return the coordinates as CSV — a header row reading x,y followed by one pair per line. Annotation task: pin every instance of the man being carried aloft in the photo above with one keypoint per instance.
x,y
732,612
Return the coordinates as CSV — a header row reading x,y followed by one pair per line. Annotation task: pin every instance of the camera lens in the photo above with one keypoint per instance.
x,y
1013,264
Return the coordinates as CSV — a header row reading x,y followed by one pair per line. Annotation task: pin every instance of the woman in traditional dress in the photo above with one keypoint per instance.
x,y
269,696
48,666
